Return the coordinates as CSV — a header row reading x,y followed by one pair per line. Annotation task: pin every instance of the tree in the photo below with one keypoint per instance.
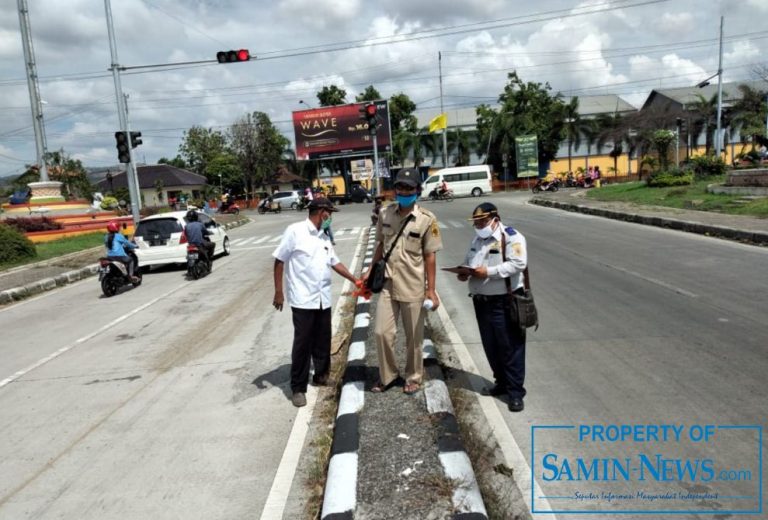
x,y
177,161
70,172
258,146
662,139
705,111
224,171
526,108
401,110
611,131
201,145
460,145
369,94
330,96
572,127
749,114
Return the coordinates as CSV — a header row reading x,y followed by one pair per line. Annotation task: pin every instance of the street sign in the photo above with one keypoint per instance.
x,y
527,151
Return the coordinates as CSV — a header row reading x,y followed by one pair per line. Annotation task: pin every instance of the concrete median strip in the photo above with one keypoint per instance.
x,y
740,235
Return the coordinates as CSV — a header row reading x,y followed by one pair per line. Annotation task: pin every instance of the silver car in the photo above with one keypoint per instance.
x,y
287,199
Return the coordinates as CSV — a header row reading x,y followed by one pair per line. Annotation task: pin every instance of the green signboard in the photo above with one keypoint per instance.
x,y
527,150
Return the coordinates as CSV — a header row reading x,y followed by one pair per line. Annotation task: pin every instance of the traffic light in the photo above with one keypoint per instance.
x,y
136,139
233,56
368,112
121,143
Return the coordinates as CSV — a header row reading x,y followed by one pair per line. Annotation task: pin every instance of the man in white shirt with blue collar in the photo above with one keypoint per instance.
x,y
309,256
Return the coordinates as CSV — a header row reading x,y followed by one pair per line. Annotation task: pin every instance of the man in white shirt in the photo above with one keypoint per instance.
x,y
306,256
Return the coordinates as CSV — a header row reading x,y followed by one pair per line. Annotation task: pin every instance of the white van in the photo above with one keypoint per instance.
x,y
463,180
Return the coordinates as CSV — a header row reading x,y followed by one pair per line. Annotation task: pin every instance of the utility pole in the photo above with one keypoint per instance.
x,y
34,89
445,130
130,172
718,145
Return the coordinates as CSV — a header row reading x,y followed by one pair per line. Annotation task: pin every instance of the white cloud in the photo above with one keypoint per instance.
x,y
320,14
675,23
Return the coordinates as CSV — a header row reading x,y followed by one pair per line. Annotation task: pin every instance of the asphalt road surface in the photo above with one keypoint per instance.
x,y
171,400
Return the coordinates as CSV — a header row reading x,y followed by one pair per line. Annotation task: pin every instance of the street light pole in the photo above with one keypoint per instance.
x,y
718,145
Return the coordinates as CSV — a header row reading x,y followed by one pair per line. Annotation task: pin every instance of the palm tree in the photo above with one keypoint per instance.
x,y
706,119
460,143
590,131
611,129
572,127
748,114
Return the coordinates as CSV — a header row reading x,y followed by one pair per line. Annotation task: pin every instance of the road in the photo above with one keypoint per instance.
x,y
171,400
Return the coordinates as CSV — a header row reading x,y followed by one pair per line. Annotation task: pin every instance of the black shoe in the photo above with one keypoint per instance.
x,y
320,381
495,390
516,404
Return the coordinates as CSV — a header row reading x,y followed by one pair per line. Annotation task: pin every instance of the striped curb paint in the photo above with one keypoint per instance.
x,y
17,294
340,497
466,498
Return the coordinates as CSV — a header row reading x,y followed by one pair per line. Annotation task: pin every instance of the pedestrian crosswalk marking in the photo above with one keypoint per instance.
x,y
267,239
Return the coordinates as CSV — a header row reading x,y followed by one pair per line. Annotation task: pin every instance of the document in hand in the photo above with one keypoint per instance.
x,y
459,269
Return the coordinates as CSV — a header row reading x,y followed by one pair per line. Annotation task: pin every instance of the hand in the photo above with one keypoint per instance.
x,y
277,301
462,277
480,272
432,295
364,278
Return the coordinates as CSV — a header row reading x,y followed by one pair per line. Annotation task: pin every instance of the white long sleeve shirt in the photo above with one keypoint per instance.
x,y
487,252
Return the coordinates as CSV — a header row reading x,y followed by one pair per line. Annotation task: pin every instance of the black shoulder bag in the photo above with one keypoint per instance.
x,y
375,281
523,310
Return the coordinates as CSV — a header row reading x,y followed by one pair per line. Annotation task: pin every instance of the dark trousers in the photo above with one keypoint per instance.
x,y
311,342
127,260
503,342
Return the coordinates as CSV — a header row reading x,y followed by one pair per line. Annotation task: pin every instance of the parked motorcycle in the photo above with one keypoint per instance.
x,y
438,195
542,185
113,274
197,266
229,209
268,206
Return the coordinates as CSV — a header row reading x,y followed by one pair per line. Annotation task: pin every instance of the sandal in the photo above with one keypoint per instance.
x,y
411,388
380,387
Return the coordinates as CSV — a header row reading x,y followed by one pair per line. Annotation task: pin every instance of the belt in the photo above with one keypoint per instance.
x,y
494,297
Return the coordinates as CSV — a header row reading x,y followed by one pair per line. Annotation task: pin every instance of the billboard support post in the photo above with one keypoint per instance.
x,y
376,165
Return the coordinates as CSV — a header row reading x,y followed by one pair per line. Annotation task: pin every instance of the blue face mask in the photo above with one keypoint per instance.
x,y
325,224
406,200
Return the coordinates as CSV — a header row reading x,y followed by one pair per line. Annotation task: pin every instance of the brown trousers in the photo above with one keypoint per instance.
x,y
385,330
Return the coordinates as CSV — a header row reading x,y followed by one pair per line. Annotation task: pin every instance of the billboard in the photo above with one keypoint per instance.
x,y
338,131
527,149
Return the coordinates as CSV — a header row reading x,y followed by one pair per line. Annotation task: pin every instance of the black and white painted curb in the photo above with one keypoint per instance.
x,y
16,294
340,497
466,498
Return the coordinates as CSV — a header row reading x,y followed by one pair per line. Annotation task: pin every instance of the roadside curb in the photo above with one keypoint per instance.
x,y
752,237
17,294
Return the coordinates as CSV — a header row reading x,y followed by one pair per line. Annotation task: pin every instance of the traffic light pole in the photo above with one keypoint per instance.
x,y
376,165
130,172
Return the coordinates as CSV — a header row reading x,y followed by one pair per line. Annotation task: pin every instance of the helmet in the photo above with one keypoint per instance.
x,y
191,216
113,226
485,210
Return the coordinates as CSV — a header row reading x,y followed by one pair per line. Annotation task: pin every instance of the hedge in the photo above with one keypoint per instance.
x,y
14,246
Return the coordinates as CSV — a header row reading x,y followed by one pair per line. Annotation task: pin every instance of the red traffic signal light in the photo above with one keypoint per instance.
x,y
368,112
121,143
233,56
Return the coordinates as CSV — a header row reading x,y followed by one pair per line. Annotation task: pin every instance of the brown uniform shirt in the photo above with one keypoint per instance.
x,y
405,267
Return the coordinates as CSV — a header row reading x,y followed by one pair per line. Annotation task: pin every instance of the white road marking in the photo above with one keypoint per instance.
x,y
85,338
281,486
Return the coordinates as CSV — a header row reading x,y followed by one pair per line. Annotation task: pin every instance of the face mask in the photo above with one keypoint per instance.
x,y
406,200
485,232
325,224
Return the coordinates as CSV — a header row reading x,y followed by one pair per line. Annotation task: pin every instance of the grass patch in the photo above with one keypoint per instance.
x,y
63,246
694,196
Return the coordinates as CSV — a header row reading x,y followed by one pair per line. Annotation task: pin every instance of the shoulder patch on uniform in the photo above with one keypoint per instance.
x,y
435,229
510,231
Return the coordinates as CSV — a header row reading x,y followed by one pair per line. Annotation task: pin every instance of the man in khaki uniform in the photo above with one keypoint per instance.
x,y
410,280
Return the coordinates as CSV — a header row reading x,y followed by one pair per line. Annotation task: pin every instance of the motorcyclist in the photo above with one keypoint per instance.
x,y
443,189
197,234
116,245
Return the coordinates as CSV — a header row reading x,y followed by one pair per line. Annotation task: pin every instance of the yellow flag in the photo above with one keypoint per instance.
x,y
438,123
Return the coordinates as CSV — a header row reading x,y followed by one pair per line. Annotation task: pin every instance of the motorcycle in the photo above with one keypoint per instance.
x,y
113,274
268,206
197,266
441,195
302,204
542,185
229,209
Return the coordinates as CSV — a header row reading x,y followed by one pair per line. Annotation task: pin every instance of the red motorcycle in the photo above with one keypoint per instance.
x,y
229,209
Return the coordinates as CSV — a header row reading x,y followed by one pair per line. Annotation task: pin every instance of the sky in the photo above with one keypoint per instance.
x,y
623,47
